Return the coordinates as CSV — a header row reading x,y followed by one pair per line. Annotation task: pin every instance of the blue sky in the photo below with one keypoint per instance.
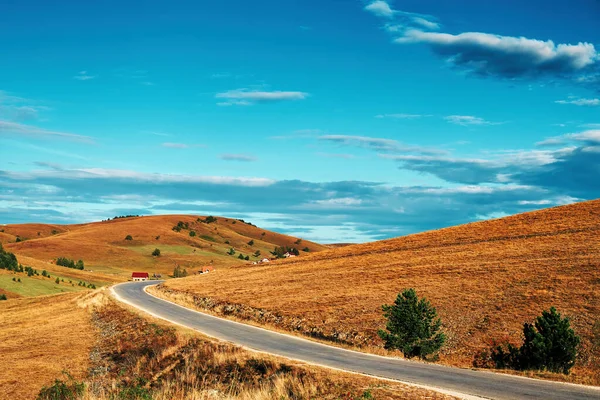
x,y
338,121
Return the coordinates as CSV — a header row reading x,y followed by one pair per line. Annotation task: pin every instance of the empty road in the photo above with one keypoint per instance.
x,y
461,382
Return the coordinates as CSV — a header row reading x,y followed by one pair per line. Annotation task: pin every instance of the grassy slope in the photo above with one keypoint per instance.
x,y
103,247
485,278
35,285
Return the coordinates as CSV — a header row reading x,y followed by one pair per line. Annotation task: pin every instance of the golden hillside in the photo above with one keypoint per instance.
x,y
485,278
104,248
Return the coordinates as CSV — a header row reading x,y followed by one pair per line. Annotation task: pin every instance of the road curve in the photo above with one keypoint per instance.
x,y
461,382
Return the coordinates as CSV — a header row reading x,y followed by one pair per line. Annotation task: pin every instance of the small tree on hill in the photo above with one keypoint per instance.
x,y
413,326
549,343
156,252
3,297
192,233
251,243
57,281
128,237
256,253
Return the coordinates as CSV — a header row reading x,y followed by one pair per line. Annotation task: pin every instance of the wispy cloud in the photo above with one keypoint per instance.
x,y
467,120
580,102
493,55
238,157
245,97
84,76
380,8
551,142
16,129
506,56
379,144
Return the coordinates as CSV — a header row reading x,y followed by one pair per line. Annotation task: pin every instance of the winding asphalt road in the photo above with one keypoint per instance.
x,y
464,383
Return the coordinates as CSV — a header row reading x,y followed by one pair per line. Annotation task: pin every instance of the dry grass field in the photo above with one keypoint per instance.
x,y
41,337
91,342
103,248
486,279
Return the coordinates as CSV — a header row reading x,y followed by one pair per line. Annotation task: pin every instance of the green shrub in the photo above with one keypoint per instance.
x,y
251,243
57,281
208,220
241,256
61,390
66,262
209,238
18,239
192,233
412,326
128,237
231,251
3,297
550,344
256,253
178,272
156,252
8,260
306,249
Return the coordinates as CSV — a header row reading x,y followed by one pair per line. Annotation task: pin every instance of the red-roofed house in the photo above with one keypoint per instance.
x,y
139,276
208,269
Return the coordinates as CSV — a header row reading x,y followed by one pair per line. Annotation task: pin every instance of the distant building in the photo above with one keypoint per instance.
x,y
139,276
265,260
288,255
206,270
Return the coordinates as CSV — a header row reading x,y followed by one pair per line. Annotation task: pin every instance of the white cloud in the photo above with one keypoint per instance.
x,y
102,173
580,102
592,136
466,120
379,144
238,157
555,141
13,128
425,23
506,56
245,97
84,76
380,8
340,202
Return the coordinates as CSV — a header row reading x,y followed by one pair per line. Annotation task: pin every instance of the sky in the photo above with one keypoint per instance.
x,y
332,120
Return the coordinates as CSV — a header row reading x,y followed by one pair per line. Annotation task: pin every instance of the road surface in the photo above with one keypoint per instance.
x,y
460,382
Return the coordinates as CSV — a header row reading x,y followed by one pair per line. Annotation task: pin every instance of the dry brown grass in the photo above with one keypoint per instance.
x,y
116,353
103,247
40,337
146,355
486,279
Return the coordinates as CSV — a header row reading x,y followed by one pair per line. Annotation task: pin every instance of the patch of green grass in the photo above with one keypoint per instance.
x,y
208,237
30,287
164,249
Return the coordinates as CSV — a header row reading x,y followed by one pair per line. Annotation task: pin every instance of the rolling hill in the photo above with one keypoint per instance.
x,y
486,279
107,252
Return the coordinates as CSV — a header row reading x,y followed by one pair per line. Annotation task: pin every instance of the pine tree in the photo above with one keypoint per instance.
x,y
549,343
413,326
